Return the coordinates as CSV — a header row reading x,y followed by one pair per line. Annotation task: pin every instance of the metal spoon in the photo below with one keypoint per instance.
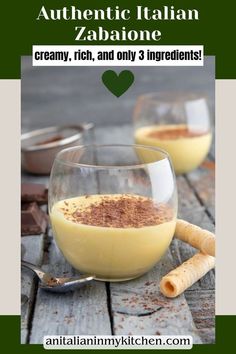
x,y
58,285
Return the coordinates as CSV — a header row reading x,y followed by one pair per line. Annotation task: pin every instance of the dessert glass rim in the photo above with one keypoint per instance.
x,y
173,96
166,156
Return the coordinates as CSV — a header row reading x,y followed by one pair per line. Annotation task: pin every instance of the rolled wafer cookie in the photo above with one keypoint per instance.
x,y
199,238
181,278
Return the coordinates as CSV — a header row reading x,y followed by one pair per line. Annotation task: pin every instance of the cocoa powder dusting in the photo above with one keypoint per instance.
x,y
123,212
175,133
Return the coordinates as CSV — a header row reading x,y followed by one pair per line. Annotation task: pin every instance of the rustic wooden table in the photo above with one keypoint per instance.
x,y
133,307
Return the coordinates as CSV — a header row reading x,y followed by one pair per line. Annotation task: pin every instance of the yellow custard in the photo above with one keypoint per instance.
x,y
108,252
187,149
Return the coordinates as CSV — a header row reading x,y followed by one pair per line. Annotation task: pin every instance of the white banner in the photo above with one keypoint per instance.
x,y
108,55
117,342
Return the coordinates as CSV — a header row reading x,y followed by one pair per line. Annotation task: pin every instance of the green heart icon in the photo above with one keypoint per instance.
x,y
117,83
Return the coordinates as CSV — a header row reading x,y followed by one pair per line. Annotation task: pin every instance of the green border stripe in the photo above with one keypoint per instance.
x,y
225,334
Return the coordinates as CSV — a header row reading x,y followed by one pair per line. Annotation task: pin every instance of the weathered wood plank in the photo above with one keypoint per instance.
x,y
139,308
203,307
30,178
190,208
207,335
33,252
81,312
202,181
115,135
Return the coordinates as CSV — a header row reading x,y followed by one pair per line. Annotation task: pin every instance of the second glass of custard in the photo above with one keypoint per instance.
x,y
177,122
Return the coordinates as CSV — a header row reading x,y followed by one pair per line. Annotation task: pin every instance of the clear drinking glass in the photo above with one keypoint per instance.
x,y
179,123
113,208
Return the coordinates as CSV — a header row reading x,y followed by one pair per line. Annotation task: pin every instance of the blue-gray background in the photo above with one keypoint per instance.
x,y
61,95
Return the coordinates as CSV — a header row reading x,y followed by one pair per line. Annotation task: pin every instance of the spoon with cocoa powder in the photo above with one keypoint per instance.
x,y
58,285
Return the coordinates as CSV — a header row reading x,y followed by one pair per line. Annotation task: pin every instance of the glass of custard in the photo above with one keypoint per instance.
x,y
113,208
179,123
